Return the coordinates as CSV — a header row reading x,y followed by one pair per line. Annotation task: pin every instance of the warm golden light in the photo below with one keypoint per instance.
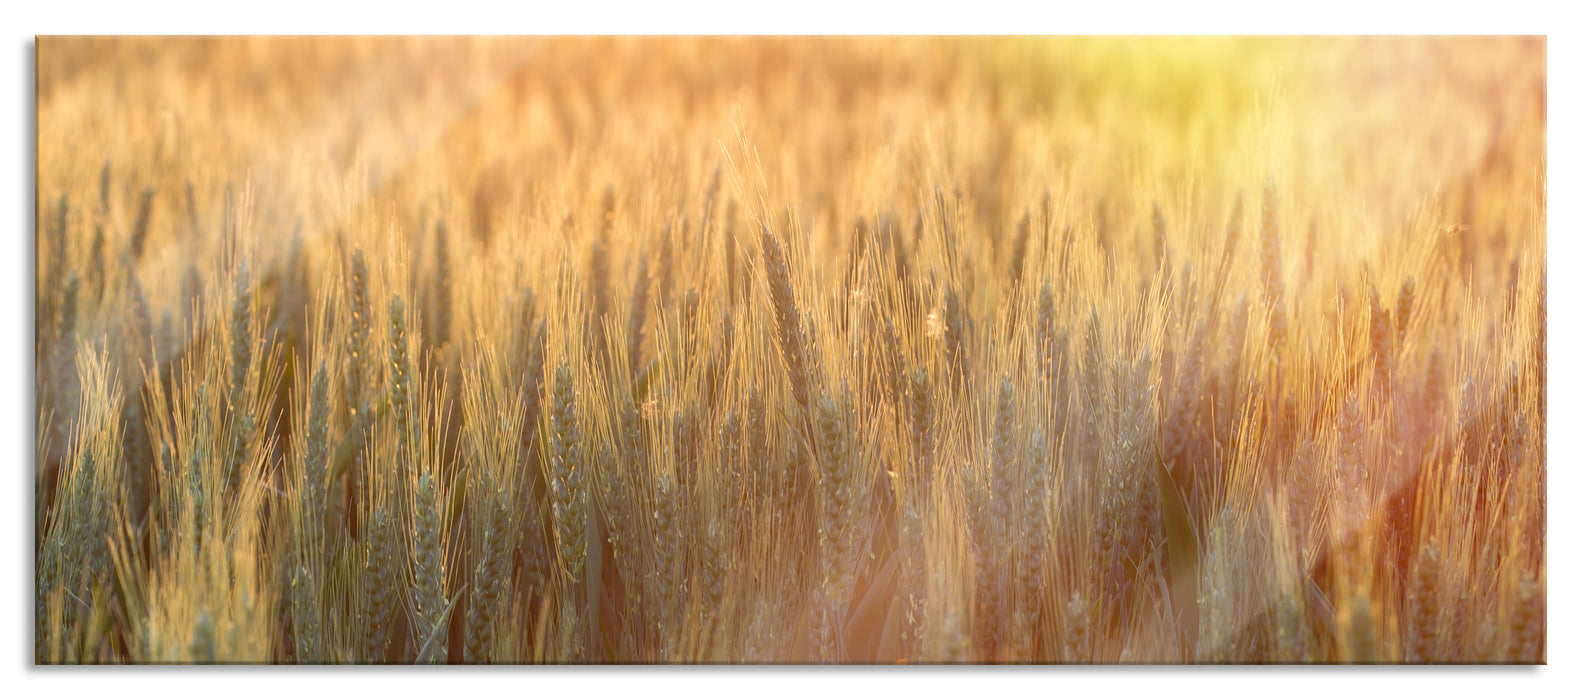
x,y
787,350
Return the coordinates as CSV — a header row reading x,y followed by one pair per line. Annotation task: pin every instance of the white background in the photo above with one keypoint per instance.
x,y
32,17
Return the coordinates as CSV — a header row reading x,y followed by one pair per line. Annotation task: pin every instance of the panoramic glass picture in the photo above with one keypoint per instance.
x,y
816,350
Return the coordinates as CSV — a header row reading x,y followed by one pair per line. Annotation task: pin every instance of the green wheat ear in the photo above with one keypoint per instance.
x,y
428,570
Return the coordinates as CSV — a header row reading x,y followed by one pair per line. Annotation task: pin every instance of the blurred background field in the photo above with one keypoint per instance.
x,y
1060,350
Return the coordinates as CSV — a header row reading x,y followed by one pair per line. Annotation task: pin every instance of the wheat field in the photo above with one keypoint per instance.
x,y
790,350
